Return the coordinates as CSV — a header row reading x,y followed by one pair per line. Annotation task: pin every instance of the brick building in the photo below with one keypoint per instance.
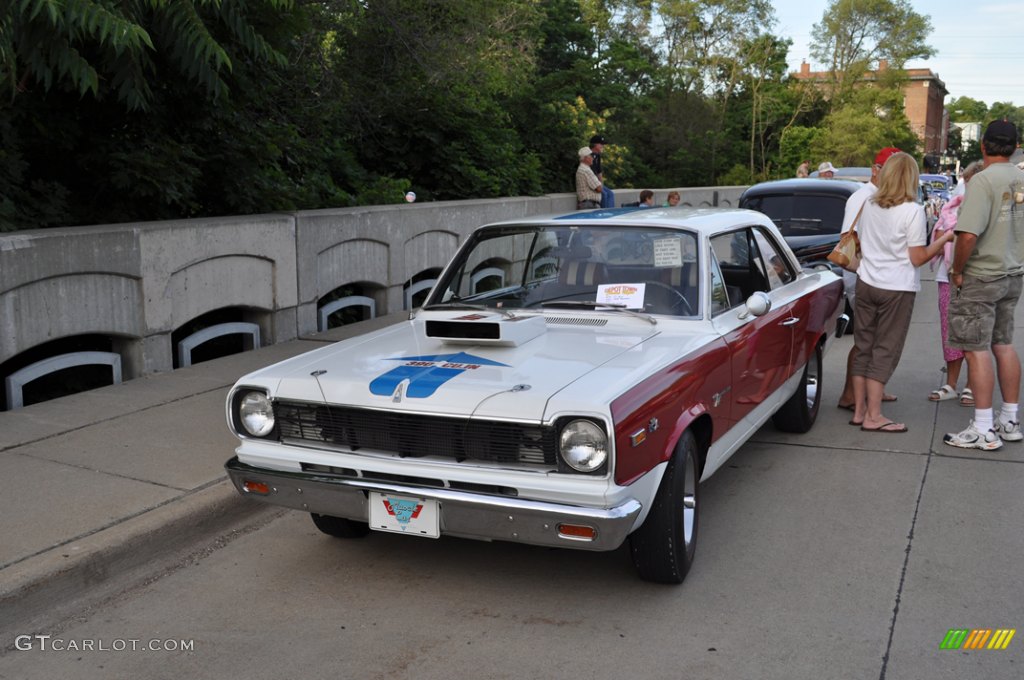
x,y
923,98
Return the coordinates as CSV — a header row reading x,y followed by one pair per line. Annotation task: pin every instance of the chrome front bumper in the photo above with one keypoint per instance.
x,y
464,514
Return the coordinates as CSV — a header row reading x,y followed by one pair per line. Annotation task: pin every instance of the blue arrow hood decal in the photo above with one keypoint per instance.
x,y
427,373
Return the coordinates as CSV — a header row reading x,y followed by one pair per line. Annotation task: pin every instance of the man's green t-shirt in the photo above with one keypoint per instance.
x,y
993,209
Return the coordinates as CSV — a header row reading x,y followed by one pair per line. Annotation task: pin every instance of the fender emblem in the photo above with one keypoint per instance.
x,y
718,397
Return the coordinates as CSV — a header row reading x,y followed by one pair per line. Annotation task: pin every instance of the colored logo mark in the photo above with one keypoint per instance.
x,y
978,638
403,510
427,373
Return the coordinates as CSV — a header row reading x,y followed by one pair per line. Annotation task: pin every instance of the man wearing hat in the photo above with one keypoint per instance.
x,y
596,149
826,170
986,273
854,203
588,186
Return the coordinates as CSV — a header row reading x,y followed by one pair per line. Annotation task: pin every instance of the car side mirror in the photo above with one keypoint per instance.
x,y
757,304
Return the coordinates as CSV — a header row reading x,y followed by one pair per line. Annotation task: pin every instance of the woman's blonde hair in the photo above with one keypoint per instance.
x,y
898,182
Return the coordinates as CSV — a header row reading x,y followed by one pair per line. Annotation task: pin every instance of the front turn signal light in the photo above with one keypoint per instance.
x,y
256,487
578,532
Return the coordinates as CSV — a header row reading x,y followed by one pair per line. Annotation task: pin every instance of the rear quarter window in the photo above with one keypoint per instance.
x,y
801,215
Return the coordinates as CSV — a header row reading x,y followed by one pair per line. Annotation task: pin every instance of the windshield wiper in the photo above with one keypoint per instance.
x,y
604,306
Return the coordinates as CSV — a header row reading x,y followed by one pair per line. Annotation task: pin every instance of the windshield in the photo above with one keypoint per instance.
x,y
513,267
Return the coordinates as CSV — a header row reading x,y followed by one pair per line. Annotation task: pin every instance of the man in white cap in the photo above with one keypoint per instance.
x,y
826,171
588,186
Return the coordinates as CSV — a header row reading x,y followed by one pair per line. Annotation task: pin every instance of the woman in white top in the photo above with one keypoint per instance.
x,y
892,233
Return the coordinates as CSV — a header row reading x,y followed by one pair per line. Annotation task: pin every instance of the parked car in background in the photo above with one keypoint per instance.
x,y
574,397
934,192
808,213
938,186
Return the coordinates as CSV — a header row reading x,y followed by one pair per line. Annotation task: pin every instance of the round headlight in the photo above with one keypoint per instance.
x,y
256,414
583,445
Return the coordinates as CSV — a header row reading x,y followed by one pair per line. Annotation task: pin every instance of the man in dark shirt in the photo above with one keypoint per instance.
x,y
596,149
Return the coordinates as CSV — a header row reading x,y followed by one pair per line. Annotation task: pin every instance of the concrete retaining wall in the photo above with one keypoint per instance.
x,y
140,282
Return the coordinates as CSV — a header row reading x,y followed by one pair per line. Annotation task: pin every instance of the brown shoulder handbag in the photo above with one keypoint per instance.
x,y
846,254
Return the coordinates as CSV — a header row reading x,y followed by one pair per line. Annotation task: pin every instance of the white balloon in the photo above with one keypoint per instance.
x,y
410,197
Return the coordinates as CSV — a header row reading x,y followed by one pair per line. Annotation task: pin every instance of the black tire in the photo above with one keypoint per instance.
x,y
799,413
663,548
342,528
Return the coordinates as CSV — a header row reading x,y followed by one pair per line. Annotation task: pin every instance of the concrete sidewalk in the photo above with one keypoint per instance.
x,y
103,483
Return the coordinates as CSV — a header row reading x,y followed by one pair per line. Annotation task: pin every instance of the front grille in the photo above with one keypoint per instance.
x,y
415,435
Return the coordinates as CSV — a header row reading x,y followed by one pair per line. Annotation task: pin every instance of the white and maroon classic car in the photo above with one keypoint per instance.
x,y
567,383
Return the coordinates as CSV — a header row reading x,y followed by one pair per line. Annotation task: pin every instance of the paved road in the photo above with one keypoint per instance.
x,y
836,554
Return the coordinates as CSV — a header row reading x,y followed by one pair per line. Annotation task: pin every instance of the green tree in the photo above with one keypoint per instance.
x,y
798,144
1006,111
105,102
104,47
874,118
967,110
971,152
118,110
591,76
429,86
688,122
854,35
765,97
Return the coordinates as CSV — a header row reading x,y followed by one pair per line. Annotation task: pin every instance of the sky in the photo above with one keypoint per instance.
x,y
980,52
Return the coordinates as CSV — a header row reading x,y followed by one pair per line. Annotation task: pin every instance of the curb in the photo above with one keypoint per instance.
x,y
97,566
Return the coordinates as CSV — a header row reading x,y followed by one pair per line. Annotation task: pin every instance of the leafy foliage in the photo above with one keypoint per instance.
x,y
855,35
967,110
121,110
873,120
799,144
103,46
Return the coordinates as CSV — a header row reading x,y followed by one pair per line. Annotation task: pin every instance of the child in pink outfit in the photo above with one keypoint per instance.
x,y
954,357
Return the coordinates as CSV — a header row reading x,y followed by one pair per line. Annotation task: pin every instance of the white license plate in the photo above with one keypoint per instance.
x,y
404,514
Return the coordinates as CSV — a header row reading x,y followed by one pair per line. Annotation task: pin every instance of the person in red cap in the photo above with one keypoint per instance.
x,y
987,273
854,204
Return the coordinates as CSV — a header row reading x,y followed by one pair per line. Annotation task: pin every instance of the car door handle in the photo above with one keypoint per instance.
x,y
791,321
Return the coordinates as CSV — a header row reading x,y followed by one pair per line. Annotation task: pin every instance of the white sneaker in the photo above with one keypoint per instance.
x,y
1009,431
972,438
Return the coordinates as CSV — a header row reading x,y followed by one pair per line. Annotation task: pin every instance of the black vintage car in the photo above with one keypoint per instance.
x,y
808,212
